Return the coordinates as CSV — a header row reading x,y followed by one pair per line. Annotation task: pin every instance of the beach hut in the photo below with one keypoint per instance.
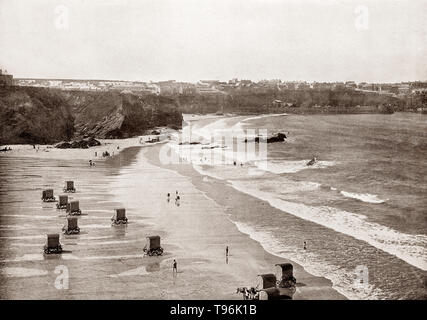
x,y
265,281
73,208
152,246
52,244
119,216
285,272
62,203
69,186
47,195
71,226
275,294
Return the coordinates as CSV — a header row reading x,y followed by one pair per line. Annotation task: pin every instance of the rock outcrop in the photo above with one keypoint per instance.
x,y
41,115
34,115
78,144
121,115
280,137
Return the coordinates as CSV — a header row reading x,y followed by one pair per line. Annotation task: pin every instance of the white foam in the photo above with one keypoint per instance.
x,y
26,257
365,197
129,256
28,216
264,116
342,280
24,237
97,226
140,271
107,242
17,272
408,247
94,238
286,166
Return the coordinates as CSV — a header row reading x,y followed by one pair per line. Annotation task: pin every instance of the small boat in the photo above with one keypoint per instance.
x,y
312,161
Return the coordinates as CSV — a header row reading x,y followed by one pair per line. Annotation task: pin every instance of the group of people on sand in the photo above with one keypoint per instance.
x,y
249,293
6,149
177,198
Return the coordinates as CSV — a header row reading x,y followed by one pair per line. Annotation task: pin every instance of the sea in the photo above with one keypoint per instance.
x,y
357,216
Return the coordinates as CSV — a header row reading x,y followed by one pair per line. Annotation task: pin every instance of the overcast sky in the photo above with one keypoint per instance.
x,y
324,40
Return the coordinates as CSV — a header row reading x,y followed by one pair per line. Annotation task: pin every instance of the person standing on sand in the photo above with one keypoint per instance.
x,y
226,251
169,197
175,267
305,245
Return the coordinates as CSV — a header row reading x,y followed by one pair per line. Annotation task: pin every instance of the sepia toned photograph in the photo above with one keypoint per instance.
x,y
213,150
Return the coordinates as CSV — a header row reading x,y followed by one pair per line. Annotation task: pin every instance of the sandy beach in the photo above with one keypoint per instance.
x,y
112,146
106,262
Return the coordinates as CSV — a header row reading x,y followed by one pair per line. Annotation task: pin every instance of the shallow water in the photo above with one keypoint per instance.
x,y
361,207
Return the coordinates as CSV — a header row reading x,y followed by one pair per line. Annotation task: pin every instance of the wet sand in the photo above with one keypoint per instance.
x,y
106,262
203,219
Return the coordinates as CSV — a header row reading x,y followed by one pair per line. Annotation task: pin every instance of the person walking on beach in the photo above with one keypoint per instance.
x,y
305,245
226,251
174,267
169,197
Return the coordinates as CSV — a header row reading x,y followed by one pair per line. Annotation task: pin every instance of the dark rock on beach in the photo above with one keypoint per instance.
x,y
79,144
280,137
189,143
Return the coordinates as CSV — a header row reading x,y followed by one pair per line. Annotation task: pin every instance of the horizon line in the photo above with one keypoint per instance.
x,y
207,79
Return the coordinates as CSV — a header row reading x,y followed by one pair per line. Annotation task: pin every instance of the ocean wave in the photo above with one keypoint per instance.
x,y
140,271
342,280
278,166
365,197
264,116
410,248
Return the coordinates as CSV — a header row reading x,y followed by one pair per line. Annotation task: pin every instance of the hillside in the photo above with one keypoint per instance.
x,y
41,115
34,115
121,115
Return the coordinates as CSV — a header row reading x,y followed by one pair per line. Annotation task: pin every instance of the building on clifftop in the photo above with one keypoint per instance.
x,y
5,79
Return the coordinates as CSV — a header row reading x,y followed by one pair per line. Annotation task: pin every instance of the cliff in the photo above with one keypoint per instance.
x,y
121,115
250,101
34,115
40,115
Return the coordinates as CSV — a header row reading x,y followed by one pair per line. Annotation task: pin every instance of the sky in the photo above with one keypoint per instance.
x,y
189,40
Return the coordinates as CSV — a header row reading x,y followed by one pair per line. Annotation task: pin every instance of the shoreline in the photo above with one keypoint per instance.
x,y
262,261
248,257
113,146
140,182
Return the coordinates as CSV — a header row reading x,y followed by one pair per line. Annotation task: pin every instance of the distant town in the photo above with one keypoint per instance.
x,y
413,95
173,87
